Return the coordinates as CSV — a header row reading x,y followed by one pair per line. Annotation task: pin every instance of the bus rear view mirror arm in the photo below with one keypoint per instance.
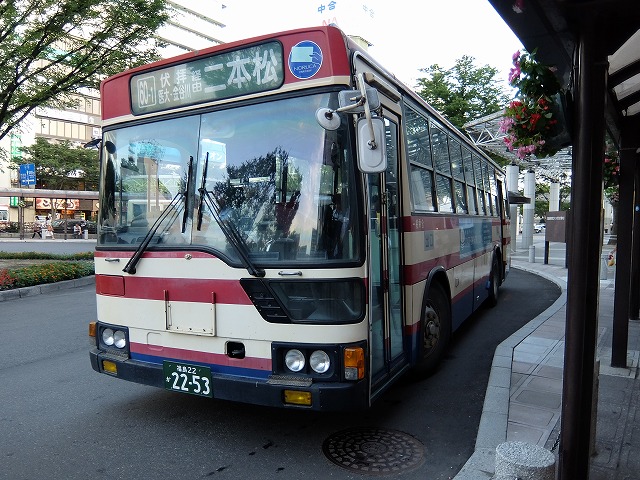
x,y
352,101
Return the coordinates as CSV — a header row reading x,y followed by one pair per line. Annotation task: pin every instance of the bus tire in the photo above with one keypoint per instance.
x,y
435,330
494,282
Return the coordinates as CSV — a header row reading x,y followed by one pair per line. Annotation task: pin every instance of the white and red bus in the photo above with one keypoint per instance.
x,y
284,223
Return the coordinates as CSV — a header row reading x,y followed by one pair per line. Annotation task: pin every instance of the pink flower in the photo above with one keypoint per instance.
x,y
514,74
505,124
521,153
515,57
508,141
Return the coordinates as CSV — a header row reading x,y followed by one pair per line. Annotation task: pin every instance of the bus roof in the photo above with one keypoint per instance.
x,y
331,48
305,58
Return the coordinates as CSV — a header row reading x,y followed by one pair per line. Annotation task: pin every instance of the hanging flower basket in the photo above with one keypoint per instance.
x,y
535,121
611,173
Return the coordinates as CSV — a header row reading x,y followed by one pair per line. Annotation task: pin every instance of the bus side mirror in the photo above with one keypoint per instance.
x,y
372,152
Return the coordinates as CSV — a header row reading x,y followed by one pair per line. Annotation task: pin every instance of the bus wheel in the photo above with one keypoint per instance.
x,y
436,330
494,282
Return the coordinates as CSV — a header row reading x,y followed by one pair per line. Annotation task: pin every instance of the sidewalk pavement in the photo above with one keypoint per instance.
x,y
523,398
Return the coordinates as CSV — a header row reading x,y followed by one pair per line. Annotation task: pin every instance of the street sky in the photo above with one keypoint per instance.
x,y
406,35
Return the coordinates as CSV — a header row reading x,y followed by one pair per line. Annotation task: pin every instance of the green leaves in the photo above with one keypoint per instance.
x,y
45,273
59,166
50,48
464,92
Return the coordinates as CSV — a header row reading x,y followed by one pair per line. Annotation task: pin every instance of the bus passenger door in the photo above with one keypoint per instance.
x,y
385,295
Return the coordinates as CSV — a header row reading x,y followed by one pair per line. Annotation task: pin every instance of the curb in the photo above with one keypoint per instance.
x,y
24,292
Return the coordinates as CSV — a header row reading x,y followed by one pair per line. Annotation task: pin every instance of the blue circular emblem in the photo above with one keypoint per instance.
x,y
305,59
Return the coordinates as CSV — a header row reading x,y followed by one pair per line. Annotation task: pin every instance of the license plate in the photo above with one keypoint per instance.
x,y
185,378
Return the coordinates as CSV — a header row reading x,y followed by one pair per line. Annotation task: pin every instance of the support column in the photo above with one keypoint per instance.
x,y
513,172
634,294
583,249
622,295
528,208
554,197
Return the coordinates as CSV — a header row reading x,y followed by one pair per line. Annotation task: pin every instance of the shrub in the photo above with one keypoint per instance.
x,y
67,267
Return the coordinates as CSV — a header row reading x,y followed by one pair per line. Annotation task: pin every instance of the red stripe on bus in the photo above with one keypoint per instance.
x,y
159,351
153,254
420,271
177,289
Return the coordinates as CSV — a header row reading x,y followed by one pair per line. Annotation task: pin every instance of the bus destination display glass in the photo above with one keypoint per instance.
x,y
229,74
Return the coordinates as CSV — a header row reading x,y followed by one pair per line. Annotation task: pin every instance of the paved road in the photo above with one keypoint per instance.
x,y
61,420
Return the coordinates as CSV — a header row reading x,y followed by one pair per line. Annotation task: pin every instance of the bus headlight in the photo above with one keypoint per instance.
x,y
294,359
319,361
113,339
119,339
107,337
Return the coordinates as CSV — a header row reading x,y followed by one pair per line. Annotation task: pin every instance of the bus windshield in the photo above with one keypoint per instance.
x,y
269,171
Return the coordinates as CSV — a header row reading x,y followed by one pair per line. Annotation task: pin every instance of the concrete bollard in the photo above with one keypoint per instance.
x,y
524,461
532,254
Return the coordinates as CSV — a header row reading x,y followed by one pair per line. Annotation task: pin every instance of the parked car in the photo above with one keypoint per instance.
x,y
59,225
539,227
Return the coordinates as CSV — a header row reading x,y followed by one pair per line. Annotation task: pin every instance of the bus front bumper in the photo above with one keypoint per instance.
x,y
326,396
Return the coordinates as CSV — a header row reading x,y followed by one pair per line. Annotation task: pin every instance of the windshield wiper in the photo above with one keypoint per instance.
x,y
171,212
187,205
203,186
228,228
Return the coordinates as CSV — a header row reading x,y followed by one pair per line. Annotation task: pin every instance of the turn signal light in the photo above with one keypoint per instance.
x,y
354,363
93,329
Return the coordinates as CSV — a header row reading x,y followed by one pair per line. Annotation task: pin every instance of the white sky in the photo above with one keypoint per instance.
x,y
406,34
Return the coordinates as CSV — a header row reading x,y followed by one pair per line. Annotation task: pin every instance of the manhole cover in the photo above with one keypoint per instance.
x,y
374,451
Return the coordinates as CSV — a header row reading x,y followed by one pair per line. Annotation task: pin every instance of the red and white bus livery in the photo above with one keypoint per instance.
x,y
284,223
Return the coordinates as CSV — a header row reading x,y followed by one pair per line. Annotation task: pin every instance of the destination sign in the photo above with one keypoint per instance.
x,y
224,75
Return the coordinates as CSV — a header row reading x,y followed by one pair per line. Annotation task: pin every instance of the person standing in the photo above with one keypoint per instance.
x,y
37,229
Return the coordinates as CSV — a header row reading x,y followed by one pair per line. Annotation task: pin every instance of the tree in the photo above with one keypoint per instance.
x,y
463,92
51,48
60,166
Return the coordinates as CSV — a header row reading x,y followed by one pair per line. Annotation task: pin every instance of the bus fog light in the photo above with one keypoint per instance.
x,y
296,397
319,361
109,367
294,359
107,337
119,339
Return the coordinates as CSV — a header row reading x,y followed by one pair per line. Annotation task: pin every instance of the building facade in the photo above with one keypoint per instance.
x,y
193,25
